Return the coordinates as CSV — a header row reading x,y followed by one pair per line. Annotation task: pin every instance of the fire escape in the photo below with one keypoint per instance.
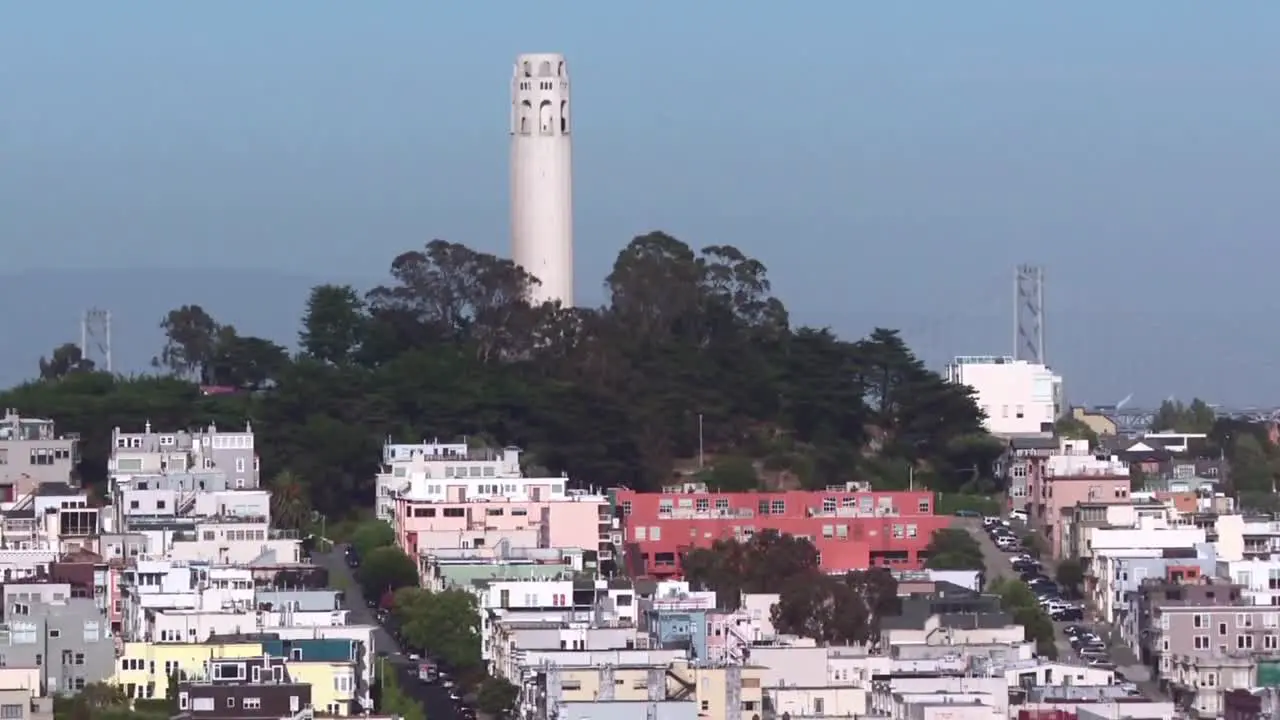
x,y
684,687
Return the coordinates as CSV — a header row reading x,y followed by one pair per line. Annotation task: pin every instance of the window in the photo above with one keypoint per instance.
x,y
778,507
818,706
626,507
55,633
1198,620
1222,628
251,703
239,464
454,512
10,711
924,510
79,659
639,533
1202,642
1244,642
655,533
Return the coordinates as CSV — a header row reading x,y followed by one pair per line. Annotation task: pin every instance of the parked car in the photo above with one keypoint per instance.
x,y
1073,614
1019,515
968,513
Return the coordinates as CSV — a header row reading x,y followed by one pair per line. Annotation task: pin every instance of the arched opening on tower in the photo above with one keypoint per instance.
x,y
560,69
545,119
564,117
544,70
526,118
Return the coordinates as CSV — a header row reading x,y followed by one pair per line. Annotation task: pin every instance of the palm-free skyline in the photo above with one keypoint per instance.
x,y
890,166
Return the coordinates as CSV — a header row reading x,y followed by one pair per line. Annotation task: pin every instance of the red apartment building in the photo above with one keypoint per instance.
x,y
851,529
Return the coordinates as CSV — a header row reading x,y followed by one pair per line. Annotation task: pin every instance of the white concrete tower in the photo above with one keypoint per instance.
x,y
542,175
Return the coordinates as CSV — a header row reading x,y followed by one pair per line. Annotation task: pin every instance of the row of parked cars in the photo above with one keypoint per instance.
x,y
1090,647
1031,572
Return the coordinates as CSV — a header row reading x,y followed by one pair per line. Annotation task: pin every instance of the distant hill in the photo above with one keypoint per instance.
x,y
42,309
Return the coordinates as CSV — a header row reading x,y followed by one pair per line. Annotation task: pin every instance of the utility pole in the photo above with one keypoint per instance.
x,y
700,443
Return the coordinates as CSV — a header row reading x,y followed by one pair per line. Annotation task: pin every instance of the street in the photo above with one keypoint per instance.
x,y
434,698
999,565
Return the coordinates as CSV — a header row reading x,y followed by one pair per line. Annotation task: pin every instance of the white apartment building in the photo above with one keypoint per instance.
x,y
1259,578
1150,537
161,452
1076,460
403,463
1019,398
191,625
226,540
549,601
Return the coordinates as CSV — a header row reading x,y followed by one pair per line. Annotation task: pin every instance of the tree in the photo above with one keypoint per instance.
x,y
191,341
243,362
837,611
497,698
1073,428
371,535
446,624
1070,575
393,701
1173,416
1251,467
65,359
386,569
333,324
731,474
290,501
764,563
951,549
1018,600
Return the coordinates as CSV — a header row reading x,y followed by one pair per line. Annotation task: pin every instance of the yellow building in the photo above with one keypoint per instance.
x,y
1097,422
144,668
333,684
710,687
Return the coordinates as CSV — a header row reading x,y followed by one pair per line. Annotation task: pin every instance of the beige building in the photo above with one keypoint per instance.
x,y
22,705
31,454
732,692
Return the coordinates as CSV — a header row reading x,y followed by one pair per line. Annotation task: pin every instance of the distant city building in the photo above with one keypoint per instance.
x,y
851,528
1018,397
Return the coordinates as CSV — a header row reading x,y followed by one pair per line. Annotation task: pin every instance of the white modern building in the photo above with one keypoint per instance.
x,y
1018,397
542,175
404,462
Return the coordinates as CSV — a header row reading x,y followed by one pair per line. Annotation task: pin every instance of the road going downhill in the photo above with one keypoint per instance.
x,y
434,698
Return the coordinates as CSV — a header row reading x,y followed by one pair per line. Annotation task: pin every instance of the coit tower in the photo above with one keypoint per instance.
x,y
542,175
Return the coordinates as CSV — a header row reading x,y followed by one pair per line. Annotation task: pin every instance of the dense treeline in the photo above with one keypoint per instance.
x,y
689,344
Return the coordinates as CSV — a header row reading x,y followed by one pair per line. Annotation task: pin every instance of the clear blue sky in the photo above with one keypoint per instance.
x,y
889,165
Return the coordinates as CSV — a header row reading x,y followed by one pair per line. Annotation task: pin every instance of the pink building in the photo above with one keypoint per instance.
x,y
445,513
1053,495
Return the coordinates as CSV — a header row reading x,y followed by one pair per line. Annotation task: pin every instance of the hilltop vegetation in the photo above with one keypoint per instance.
x,y
690,343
